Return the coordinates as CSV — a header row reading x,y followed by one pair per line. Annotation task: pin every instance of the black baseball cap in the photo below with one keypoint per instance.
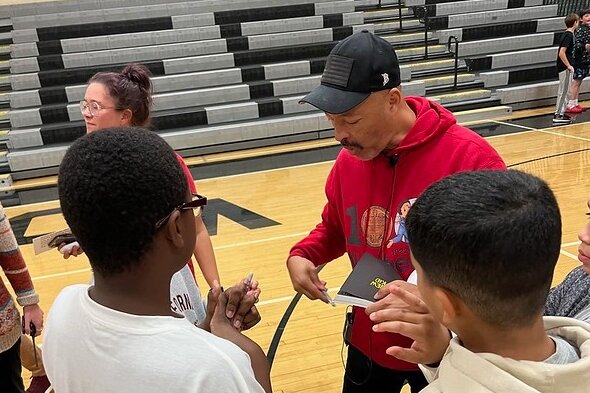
x,y
357,66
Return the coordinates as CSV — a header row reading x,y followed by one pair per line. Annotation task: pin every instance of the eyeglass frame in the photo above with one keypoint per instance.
x,y
100,107
201,202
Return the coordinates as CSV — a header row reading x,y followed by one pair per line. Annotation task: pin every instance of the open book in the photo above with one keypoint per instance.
x,y
368,276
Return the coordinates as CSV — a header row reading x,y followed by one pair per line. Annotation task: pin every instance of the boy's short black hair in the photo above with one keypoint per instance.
x,y
114,185
571,19
492,238
584,12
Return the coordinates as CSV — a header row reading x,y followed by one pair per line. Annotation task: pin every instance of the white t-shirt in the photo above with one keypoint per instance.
x,y
91,348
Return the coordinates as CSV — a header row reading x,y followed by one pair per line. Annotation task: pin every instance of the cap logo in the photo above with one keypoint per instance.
x,y
337,71
385,78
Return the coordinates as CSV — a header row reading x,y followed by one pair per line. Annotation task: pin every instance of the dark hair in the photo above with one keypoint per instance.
x,y
114,186
584,12
571,19
131,89
492,238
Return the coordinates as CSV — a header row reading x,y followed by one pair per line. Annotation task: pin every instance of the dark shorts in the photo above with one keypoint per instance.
x,y
580,73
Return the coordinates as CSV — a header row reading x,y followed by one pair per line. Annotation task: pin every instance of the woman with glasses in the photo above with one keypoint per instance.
x,y
115,99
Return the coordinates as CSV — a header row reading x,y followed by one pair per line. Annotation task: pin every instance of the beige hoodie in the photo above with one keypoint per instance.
x,y
462,371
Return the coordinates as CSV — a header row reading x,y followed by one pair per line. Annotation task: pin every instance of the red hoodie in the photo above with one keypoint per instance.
x,y
368,202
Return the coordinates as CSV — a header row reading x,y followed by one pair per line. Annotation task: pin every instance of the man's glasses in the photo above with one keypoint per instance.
x,y
93,107
197,203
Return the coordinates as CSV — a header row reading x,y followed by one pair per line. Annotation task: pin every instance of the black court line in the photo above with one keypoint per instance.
x,y
276,338
548,157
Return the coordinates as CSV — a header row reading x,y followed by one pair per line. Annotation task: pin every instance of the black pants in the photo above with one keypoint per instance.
x,y
10,370
364,376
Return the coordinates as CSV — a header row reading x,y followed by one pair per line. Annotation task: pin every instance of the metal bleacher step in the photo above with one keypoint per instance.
x,y
5,83
6,38
445,80
4,65
488,112
440,65
396,39
4,116
419,51
4,136
439,90
389,26
474,104
461,96
384,14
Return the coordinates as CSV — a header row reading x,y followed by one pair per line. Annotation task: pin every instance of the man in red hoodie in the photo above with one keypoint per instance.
x,y
394,147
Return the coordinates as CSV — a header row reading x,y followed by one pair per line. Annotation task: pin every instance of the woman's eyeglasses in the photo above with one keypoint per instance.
x,y
93,107
197,203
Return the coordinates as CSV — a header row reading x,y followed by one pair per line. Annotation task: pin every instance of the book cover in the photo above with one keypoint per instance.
x,y
52,240
368,276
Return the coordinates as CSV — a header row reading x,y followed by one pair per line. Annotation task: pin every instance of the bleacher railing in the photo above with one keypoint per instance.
x,y
453,39
566,7
422,13
400,5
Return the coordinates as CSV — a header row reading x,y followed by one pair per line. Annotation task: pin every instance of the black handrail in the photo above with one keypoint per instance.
x,y
456,40
422,13
399,9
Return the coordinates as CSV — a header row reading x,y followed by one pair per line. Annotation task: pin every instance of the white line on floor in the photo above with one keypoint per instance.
x,y
568,254
565,135
268,239
570,244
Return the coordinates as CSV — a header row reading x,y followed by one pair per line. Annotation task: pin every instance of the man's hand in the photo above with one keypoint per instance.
x,y
402,311
33,313
305,279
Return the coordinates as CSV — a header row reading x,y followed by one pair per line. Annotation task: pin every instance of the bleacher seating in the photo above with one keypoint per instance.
x,y
228,74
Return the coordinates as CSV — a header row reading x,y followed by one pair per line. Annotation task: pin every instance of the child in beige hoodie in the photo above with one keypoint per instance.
x,y
484,245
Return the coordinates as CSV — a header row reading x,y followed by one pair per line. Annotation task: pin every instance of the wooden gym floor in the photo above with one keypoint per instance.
x,y
277,207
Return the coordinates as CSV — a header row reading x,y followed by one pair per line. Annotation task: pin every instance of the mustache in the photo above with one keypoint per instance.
x,y
346,143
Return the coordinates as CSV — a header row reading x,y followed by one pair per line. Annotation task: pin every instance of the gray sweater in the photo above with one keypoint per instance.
x,y
571,298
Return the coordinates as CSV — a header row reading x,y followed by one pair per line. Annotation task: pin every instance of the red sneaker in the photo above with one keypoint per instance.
x,y
39,384
583,108
575,109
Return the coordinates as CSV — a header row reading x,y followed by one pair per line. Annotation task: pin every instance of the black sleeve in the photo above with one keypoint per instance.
x,y
567,41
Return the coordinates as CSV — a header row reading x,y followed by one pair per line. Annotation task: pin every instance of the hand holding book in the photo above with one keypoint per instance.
x,y
369,275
